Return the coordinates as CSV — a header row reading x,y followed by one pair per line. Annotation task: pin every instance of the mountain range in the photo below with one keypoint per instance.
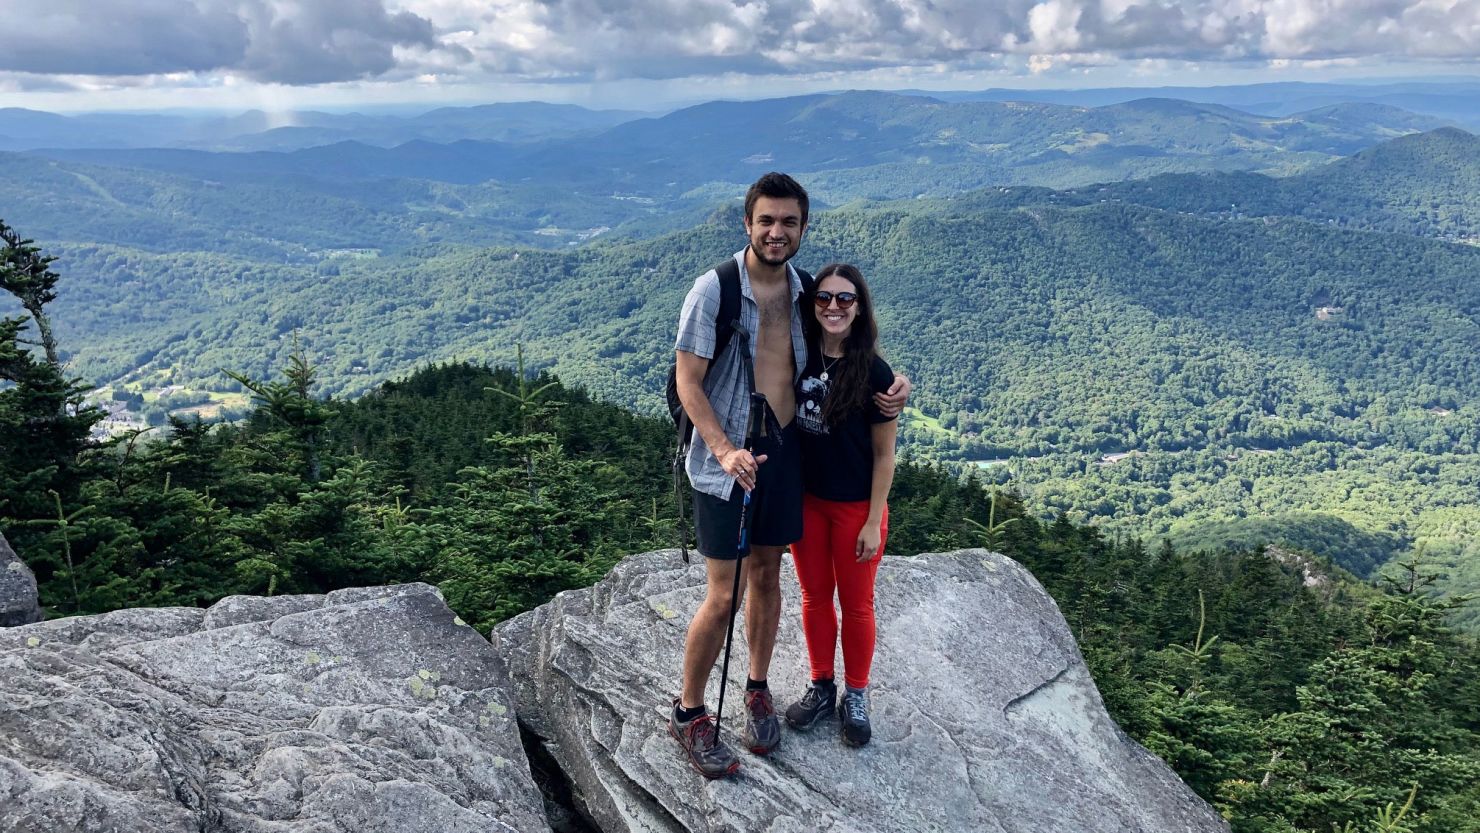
x,y
643,177
1457,99
1196,350
908,145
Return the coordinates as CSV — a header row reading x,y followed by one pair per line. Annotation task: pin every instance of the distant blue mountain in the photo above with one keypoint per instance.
x,y
907,145
258,130
1457,101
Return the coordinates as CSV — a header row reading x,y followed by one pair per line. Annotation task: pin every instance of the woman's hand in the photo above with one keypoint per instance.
x,y
869,539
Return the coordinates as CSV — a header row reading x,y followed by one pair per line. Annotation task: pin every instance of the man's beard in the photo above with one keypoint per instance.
x,y
764,257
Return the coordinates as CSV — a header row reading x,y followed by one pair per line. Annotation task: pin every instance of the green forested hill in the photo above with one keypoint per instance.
x,y
1126,355
1426,184
284,217
1047,336
1045,327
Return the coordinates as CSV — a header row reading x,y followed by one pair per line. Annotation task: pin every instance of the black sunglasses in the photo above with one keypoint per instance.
x,y
844,299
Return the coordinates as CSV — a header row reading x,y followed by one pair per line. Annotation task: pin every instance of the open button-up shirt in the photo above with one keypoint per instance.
x,y
726,386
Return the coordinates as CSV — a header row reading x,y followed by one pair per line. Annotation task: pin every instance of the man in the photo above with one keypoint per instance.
x,y
721,470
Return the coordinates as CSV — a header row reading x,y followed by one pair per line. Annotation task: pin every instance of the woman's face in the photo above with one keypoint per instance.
x,y
835,320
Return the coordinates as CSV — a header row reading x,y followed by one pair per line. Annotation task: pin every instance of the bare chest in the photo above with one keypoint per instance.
x,y
775,312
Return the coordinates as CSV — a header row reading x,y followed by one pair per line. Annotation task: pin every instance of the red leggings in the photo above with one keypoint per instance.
x,y
826,560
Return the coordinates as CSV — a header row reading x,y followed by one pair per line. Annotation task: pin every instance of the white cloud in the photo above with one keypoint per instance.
x,y
306,42
281,41
675,38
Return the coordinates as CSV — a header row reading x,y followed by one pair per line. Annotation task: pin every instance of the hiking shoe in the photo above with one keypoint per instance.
x,y
700,741
817,702
762,730
854,712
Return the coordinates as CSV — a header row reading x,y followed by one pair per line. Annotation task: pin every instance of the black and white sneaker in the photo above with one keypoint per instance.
x,y
854,713
816,703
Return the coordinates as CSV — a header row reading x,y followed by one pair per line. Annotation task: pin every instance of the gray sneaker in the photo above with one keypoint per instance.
x,y
762,730
854,712
700,741
817,702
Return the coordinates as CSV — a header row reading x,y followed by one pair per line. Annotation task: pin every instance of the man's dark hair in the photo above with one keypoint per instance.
x,y
777,186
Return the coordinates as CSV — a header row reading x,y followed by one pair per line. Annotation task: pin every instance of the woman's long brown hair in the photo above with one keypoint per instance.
x,y
850,391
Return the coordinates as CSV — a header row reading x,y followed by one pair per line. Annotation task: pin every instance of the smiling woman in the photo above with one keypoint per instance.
x,y
847,471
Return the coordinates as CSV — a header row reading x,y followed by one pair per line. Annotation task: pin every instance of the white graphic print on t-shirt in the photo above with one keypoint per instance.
x,y
813,392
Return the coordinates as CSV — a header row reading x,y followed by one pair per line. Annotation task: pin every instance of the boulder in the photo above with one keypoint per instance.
x,y
985,717
18,600
372,710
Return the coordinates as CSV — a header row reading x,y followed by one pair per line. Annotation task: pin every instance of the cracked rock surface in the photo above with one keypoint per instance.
x,y
368,710
985,717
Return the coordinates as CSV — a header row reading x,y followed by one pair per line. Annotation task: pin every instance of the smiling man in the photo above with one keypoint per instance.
x,y
715,393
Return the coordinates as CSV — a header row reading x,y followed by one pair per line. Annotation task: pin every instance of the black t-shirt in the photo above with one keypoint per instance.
x,y
838,459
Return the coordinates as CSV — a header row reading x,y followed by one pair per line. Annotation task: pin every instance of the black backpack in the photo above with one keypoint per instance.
x,y
726,321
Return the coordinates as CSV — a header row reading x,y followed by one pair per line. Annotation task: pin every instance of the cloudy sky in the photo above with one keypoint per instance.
x,y
121,54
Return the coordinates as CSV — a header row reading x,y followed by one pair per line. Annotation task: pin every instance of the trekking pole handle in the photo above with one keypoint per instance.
x,y
758,407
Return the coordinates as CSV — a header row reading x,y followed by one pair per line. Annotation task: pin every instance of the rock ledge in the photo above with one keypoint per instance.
x,y
986,719
368,710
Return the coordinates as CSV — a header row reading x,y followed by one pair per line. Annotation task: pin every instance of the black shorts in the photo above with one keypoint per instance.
x,y
775,512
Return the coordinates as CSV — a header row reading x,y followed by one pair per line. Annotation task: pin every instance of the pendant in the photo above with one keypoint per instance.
x,y
823,377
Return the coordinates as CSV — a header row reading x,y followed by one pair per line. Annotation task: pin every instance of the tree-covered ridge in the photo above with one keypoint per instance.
x,y
1424,185
1283,304
292,218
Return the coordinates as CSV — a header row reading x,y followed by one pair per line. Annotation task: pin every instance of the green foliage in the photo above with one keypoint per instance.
x,y
515,535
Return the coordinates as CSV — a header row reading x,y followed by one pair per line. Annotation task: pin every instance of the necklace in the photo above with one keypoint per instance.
x,y
827,366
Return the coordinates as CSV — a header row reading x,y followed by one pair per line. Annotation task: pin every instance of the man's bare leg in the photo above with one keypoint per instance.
x,y
763,607
706,637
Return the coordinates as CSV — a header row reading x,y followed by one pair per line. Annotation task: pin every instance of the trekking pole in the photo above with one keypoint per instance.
x,y
757,419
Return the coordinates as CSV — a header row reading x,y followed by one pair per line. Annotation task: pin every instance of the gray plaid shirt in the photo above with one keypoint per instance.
x,y
726,386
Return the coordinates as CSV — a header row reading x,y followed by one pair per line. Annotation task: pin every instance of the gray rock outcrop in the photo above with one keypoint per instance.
x,y
18,600
986,719
369,710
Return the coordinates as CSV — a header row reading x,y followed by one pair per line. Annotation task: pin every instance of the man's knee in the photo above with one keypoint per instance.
x,y
718,602
765,571
719,590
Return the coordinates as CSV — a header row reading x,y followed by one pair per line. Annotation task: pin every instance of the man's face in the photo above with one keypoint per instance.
x,y
775,229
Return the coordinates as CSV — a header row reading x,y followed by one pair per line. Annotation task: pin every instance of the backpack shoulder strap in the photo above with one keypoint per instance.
x,y
808,282
729,304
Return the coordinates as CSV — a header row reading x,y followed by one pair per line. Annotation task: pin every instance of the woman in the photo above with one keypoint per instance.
x,y
847,468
